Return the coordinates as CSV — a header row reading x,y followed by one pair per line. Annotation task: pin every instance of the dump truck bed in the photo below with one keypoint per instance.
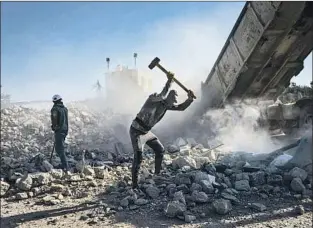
x,y
265,49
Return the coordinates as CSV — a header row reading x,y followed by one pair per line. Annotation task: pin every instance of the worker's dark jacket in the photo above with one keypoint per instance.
x,y
154,109
59,118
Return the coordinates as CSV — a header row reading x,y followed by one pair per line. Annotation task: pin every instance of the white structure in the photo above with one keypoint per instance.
x,y
126,88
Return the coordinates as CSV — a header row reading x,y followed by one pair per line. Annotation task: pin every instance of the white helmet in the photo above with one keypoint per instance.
x,y
56,98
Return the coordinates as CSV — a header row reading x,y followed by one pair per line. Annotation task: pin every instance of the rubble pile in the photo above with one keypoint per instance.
x,y
27,138
194,182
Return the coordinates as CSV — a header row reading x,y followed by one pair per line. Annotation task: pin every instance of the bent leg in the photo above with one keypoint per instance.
x,y
159,150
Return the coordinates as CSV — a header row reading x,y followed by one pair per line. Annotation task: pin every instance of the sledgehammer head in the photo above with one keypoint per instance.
x,y
154,62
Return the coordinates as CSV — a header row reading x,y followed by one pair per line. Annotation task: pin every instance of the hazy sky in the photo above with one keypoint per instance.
x,y
61,47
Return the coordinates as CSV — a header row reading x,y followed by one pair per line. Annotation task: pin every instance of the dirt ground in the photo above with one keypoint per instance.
x,y
89,212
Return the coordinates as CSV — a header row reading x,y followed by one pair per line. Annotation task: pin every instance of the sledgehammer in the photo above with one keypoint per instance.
x,y
156,62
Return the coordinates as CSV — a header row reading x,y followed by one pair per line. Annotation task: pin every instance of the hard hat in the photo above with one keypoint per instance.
x,y
56,98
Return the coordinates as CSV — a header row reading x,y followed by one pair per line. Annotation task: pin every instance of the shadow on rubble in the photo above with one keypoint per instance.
x,y
16,220
152,214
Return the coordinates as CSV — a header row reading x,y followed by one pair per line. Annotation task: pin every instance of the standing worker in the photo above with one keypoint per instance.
x,y
150,114
59,124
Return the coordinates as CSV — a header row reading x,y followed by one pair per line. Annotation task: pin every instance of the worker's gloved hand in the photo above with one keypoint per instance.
x,y
190,95
55,128
170,76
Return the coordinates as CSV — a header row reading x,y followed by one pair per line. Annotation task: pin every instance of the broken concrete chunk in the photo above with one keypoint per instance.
x,y
4,187
179,196
173,149
207,187
88,171
174,209
190,218
141,202
258,207
153,192
47,166
257,178
180,142
21,195
297,172
242,185
24,183
222,206
275,179
199,197
184,161
297,185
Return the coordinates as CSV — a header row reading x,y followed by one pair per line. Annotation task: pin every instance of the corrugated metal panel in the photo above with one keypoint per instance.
x,y
264,50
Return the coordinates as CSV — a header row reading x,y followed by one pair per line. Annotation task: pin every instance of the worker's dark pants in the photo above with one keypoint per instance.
x,y
138,140
59,148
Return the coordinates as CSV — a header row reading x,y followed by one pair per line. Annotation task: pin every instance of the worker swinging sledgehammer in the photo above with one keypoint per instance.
x,y
150,114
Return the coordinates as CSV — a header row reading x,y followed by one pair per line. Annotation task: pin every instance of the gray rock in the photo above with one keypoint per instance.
x,y
173,149
57,173
242,176
179,196
257,178
170,186
4,187
184,161
183,188
210,169
222,206
47,166
297,172
24,183
44,178
200,161
88,171
300,210
228,172
21,195
190,218
227,182
207,187
234,200
297,185
124,202
180,142
191,142
186,168
258,206
275,179
100,173
141,202
182,178
199,176
242,185
134,207
153,192
199,197
174,209
195,186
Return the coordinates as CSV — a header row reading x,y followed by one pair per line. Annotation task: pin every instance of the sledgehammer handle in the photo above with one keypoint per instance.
x,y
175,80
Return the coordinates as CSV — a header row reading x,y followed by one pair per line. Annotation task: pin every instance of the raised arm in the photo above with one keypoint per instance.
x,y
162,95
166,88
184,105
